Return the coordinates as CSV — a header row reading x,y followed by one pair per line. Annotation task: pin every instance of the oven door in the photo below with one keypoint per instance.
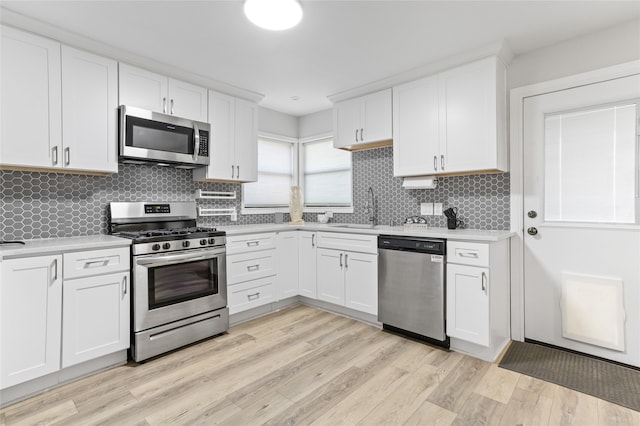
x,y
173,286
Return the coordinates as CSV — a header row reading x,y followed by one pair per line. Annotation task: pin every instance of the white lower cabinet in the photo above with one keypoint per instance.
x,y
307,264
95,317
30,318
251,294
348,278
468,303
287,255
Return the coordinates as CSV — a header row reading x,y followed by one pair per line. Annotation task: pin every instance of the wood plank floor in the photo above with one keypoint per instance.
x,y
306,366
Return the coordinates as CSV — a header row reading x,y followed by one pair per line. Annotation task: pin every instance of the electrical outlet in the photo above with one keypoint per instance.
x,y
437,209
426,209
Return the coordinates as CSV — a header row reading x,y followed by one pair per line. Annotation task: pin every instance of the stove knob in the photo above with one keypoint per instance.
x,y
155,247
212,240
186,244
166,246
203,242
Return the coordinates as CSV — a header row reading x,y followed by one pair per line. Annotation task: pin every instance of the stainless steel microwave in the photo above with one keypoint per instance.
x,y
152,137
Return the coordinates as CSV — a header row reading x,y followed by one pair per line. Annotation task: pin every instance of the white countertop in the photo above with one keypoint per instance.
x,y
59,245
452,234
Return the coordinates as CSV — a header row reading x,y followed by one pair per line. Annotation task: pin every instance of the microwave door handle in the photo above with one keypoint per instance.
x,y
196,141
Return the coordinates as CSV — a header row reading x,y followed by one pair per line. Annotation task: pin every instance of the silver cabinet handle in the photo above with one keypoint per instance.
x,y
54,267
442,162
196,137
253,267
341,260
124,285
253,243
232,170
164,105
361,130
313,240
346,258
67,157
96,263
54,154
356,135
484,282
435,162
253,296
468,254
238,172
171,107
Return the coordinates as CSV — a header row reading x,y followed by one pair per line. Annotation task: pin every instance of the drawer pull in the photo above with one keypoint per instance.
x,y
254,296
96,263
253,267
468,254
484,282
253,243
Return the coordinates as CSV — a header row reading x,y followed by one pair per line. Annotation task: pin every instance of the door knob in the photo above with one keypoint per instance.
x,y
532,231
532,214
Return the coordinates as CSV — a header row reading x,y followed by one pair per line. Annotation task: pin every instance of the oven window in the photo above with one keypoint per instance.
x,y
181,282
159,136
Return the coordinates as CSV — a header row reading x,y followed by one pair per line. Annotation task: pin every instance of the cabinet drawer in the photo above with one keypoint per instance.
x,y
249,266
253,242
465,253
351,242
251,294
95,262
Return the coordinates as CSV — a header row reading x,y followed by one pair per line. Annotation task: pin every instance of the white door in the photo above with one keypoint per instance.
x,y
468,303
143,89
307,264
581,210
346,121
187,100
287,253
246,141
361,282
375,117
331,276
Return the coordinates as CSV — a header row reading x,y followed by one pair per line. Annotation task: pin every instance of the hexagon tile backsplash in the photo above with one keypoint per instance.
x,y
47,205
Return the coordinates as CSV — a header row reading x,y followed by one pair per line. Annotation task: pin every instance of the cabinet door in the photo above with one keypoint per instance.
x,y
468,303
89,111
346,123
31,110
143,89
187,100
330,264
222,112
30,318
287,254
361,282
95,317
376,117
468,116
416,140
307,264
246,141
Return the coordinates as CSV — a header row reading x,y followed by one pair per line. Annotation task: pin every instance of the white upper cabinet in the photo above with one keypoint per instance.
x,y
89,111
59,106
453,122
31,100
233,141
363,122
155,92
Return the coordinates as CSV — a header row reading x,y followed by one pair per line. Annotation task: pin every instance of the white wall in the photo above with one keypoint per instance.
x,y
277,123
318,123
612,46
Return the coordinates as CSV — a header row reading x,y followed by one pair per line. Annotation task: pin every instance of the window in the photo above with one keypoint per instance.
x,y
275,175
323,172
326,175
590,165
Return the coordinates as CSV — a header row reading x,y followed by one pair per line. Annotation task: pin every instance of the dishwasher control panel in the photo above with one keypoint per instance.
x,y
422,245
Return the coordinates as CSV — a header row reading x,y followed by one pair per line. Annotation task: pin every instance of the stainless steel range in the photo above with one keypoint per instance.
x,y
179,276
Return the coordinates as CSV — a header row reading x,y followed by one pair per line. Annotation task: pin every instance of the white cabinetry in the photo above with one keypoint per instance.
x,y
96,306
233,141
251,271
478,297
287,255
30,318
307,264
59,106
347,277
364,122
155,92
453,122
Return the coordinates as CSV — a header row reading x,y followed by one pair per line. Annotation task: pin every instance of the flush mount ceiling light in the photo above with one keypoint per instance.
x,y
273,15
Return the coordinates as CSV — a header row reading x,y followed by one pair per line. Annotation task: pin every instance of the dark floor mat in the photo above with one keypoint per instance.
x,y
611,382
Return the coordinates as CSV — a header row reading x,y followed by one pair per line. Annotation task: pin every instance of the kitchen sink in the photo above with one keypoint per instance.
x,y
353,225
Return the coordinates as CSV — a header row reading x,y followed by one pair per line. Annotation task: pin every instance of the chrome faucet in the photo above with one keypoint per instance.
x,y
370,207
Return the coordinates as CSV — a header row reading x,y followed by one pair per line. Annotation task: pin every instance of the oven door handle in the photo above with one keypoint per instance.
x,y
169,260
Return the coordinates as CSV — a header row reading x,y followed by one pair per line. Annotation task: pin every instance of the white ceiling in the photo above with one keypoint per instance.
x,y
339,45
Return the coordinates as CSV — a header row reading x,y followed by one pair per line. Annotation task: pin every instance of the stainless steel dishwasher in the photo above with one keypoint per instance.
x,y
411,287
